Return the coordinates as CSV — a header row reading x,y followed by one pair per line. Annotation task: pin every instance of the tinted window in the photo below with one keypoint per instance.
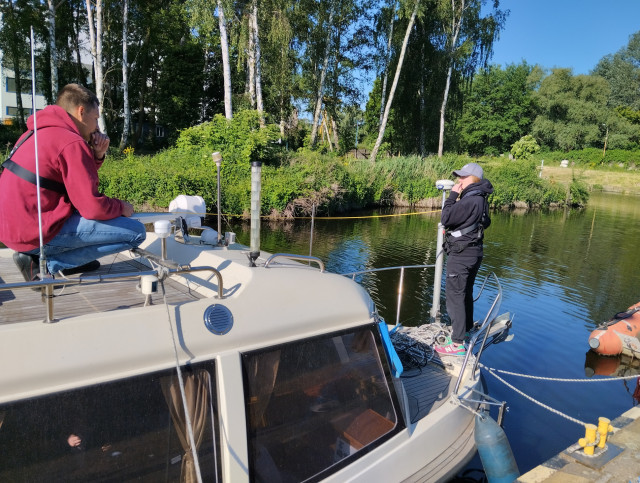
x,y
129,429
313,404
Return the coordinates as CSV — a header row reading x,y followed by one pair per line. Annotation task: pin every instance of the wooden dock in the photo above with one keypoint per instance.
x,y
620,462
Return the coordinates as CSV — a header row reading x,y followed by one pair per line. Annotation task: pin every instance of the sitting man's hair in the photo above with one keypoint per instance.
x,y
74,95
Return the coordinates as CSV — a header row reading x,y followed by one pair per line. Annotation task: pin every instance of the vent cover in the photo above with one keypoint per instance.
x,y
218,319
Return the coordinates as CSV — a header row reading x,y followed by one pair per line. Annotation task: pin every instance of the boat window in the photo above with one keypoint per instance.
x,y
314,405
129,429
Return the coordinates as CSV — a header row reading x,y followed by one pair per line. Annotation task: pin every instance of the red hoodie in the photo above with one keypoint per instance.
x,y
63,156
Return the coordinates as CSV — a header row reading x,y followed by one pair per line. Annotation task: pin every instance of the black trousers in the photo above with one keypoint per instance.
x,y
461,275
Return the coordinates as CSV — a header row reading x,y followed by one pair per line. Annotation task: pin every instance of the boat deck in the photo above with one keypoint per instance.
x,y
426,388
25,304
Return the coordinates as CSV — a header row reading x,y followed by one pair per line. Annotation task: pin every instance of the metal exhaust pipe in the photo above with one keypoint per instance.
x,y
256,186
217,158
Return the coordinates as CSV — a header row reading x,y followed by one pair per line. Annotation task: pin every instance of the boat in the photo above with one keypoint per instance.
x,y
287,371
618,335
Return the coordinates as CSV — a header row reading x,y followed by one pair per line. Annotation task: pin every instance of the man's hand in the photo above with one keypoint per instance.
x,y
99,143
457,188
127,209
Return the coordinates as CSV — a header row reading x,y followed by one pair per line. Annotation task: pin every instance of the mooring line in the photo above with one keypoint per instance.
x,y
555,379
549,408
286,218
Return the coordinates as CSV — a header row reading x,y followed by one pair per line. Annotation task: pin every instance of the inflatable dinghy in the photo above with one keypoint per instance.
x,y
620,335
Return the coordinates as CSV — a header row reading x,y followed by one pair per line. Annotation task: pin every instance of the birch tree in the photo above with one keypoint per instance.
x,y
468,41
203,13
226,66
125,76
277,39
253,31
53,51
95,36
387,108
458,8
323,75
387,58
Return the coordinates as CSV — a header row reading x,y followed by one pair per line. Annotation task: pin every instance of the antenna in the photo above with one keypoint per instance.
x,y
43,264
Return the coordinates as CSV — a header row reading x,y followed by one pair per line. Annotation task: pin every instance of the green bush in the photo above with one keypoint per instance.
x,y
525,147
9,134
292,182
519,181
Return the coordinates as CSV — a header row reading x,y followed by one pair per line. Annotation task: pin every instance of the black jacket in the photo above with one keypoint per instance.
x,y
463,210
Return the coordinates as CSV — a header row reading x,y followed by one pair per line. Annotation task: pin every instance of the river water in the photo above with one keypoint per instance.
x,y
562,273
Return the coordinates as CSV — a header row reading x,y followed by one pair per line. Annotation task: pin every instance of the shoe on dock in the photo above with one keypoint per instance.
x,y
450,348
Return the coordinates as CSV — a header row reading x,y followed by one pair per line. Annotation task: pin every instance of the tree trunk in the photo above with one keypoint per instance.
x,y
334,128
422,142
53,52
251,61
17,76
385,117
76,47
323,75
15,58
456,24
144,68
125,76
258,71
385,76
226,68
95,34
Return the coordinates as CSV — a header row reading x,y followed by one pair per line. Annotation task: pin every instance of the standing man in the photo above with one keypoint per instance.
x,y
79,224
465,215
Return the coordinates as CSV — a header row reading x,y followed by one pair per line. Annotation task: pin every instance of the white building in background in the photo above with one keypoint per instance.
x,y
8,97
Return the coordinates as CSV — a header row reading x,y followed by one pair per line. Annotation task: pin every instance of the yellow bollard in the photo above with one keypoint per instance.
x,y
603,428
588,442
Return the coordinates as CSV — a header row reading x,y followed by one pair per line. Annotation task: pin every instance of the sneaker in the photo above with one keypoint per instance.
x,y
450,348
87,267
29,265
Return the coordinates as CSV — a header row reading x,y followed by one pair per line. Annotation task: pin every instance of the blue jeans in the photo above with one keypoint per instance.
x,y
81,241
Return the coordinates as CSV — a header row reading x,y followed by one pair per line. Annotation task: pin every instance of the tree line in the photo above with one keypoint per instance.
x,y
173,64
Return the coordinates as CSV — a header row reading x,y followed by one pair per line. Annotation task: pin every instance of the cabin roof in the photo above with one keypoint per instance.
x,y
105,331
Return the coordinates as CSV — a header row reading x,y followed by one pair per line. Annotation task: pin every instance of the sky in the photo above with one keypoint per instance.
x,y
565,33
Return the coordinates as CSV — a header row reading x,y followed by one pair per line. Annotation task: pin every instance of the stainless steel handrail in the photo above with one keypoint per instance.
x,y
49,283
492,313
484,329
291,256
370,270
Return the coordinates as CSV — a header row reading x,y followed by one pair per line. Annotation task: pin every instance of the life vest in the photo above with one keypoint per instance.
x,y
452,242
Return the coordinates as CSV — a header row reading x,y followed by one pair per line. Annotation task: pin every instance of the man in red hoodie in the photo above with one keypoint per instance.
x,y
79,224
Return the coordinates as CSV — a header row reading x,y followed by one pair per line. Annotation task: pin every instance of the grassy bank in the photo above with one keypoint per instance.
x,y
617,180
294,182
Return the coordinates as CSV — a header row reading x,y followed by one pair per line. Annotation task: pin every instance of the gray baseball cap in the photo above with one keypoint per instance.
x,y
471,169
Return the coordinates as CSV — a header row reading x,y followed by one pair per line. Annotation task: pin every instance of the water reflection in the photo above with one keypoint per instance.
x,y
562,273
613,366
